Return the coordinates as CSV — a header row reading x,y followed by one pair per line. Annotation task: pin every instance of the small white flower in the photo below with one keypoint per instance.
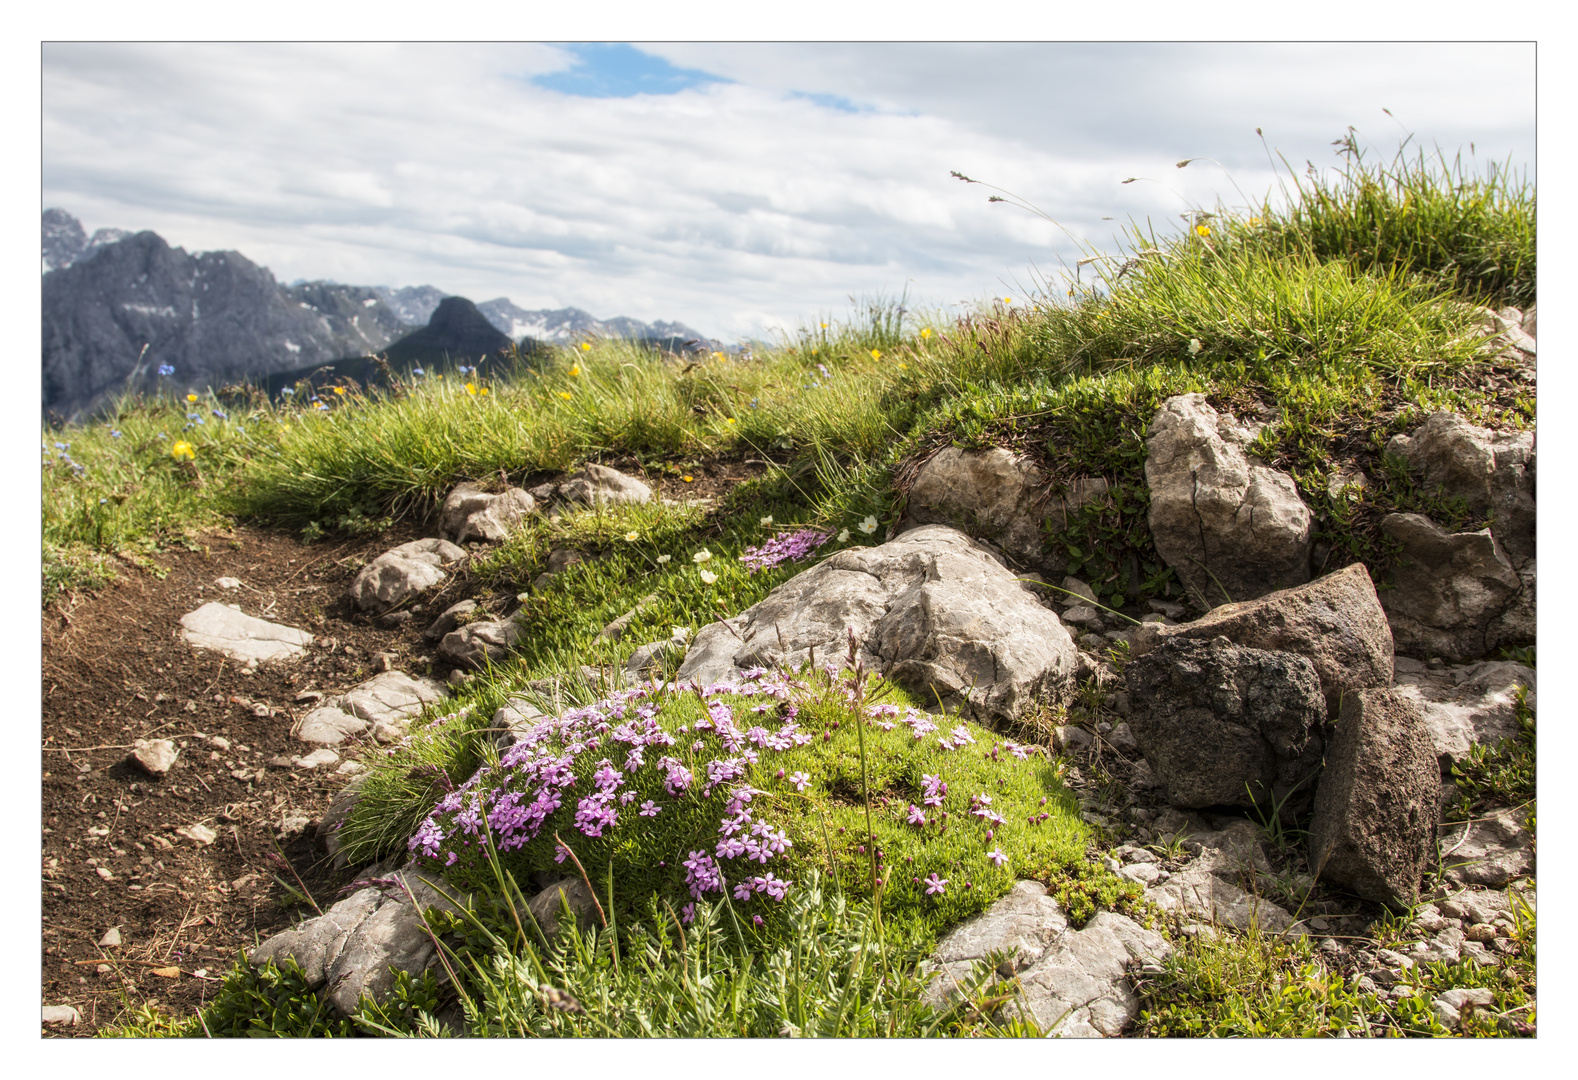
x,y
768,520
709,577
868,526
843,536
680,634
701,556
1194,346
632,536
663,559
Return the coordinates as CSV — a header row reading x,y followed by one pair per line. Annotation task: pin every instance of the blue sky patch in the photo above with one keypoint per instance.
x,y
619,70
832,101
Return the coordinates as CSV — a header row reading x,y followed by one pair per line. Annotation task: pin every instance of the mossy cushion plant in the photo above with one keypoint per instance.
x,y
738,791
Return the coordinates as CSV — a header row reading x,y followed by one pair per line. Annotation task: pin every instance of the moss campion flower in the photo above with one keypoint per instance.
x,y
936,886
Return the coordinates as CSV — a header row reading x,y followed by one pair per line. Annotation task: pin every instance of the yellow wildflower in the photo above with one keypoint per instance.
x,y
576,370
564,394
182,451
339,390
586,346
876,354
471,388
1202,230
687,479
191,397
1008,299
925,333
903,366
484,391
730,420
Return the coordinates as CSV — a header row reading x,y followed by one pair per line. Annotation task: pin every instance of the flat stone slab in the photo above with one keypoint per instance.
x,y
1490,851
330,726
225,629
1465,705
392,698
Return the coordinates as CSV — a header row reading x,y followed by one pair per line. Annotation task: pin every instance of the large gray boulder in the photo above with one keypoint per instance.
x,y
1455,595
355,947
1222,725
1373,829
224,629
1335,621
401,573
1466,705
598,485
1491,471
996,495
1230,529
469,513
932,610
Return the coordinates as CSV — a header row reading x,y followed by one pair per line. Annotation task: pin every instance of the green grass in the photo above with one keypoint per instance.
x,y
1349,315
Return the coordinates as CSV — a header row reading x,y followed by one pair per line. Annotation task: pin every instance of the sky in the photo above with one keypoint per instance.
x,y
742,189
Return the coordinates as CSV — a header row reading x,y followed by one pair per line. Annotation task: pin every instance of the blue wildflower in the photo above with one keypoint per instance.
x,y
115,434
288,392
418,371
166,369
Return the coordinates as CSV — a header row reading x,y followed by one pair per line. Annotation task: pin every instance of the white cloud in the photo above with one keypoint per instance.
x,y
732,206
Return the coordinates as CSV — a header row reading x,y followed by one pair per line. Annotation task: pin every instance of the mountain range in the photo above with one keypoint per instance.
x,y
121,310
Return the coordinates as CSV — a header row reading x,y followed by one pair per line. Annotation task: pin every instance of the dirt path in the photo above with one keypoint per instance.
x,y
114,670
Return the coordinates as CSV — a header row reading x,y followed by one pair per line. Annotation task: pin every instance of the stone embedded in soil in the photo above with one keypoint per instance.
x,y
469,513
401,573
228,582
392,699
225,629
329,726
356,946
317,759
111,938
199,834
1373,829
1490,851
1466,705
63,1015
548,905
154,756
449,619
475,644
598,485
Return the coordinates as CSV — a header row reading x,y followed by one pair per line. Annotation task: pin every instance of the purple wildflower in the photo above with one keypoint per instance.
x,y
917,816
785,547
997,856
799,780
649,809
936,886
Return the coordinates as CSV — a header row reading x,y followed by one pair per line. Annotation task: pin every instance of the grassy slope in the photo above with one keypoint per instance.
x,y
1348,314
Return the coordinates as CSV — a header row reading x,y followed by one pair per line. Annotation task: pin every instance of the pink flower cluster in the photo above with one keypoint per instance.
x,y
785,547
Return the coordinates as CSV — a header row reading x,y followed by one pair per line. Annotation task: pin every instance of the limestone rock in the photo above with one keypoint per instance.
x,y
1454,595
1466,705
616,629
392,700
328,725
401,573
513,719
1021,924
1490,851
353,946
1223,725
1492,471
1080,988
598,485
1373,829
476,644
154,756
1213,514
648,657
470,513
328,832
1208,897
61,1015
318,759
449,619
931,610
225,629
1335,621
990,494
548,905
